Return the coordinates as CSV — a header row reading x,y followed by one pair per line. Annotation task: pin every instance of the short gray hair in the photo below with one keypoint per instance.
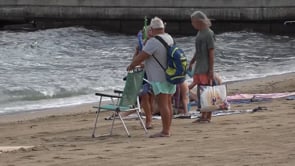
x,y
199,15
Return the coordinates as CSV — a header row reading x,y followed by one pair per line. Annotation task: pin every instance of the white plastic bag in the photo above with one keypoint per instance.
x,y
213,98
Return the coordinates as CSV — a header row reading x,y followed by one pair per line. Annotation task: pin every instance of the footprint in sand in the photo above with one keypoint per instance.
x,y
184,140
194,130
292,113
102,157
29,157
9,138
231,128
61,158
134,147
76,149
33,126
196,156
83,120
43,133
115,142
153,157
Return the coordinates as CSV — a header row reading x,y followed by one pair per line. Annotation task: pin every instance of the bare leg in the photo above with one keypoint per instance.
x,y
184,92
170,108
165,107
147,107
192,85
209,115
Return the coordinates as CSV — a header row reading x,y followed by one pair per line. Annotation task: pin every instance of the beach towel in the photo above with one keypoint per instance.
x,y
4,149
249,98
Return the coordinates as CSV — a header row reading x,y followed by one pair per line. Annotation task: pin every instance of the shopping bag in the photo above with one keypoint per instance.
x,y
213,98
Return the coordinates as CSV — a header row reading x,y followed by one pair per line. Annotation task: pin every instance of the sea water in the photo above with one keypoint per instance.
x,y
66,66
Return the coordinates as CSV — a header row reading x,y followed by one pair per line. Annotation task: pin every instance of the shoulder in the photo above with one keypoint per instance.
x,y
210,32
168,38
166,35
152,41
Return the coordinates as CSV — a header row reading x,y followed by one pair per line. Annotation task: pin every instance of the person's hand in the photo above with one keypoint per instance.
x,y
137,50
190,67
129,68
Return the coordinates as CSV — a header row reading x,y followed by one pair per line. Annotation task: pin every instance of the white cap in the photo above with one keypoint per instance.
x,y
157,23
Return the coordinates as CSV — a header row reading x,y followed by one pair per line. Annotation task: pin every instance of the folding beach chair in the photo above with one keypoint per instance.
x,y
128,101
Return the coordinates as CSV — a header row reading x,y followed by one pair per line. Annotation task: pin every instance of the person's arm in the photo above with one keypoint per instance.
x,y
135,53
211,64
191,63
217,79
138,59
211,46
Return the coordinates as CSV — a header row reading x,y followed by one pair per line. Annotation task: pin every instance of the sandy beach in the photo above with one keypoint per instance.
x,y
62,136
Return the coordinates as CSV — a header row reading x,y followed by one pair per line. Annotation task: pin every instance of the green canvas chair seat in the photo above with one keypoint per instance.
x,y
127,101
111,107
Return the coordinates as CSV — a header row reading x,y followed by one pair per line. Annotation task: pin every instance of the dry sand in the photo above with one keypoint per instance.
x,y
63,136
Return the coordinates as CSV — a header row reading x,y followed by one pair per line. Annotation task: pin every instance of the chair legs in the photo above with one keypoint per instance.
x,y
113,122
139,116
142,123
114,118
123,124
95,123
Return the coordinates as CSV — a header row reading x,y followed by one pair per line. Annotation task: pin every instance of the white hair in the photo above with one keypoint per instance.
x,y
202,17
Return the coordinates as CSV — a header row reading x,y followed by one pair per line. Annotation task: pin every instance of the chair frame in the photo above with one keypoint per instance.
x,y
117,111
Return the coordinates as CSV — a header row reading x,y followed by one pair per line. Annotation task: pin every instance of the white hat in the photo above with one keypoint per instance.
x,y
157,23
202,17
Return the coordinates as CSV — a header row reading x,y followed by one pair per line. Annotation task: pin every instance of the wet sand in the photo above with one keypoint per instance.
x,y
62,136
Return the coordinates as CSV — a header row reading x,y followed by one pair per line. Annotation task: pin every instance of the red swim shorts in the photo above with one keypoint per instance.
x,y
201,79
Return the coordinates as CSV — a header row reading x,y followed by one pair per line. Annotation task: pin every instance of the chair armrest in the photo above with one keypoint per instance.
x,y
107,95
118,91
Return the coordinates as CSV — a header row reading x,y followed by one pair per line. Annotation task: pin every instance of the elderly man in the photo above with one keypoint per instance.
x,y
204,55
154,51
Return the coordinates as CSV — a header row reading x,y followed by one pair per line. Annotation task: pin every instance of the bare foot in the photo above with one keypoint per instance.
x,y
158,135
150,126
202,121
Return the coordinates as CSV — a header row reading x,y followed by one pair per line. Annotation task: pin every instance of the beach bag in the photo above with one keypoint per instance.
x,y
213,98
176,63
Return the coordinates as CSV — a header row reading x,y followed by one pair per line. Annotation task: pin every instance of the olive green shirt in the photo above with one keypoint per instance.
x,y
204,41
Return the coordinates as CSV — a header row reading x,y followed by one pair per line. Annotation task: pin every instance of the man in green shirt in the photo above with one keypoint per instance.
x,y
204,55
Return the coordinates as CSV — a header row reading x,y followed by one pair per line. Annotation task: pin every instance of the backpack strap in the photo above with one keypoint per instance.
x,y
165,45
159,62
162,41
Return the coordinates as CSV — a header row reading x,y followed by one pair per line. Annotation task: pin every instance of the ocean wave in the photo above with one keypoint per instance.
x,y
67,65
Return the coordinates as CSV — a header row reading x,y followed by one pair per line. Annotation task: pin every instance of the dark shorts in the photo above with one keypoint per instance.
x,y
146,89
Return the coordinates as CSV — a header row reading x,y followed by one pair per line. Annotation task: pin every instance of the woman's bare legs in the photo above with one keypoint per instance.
x,y
184,92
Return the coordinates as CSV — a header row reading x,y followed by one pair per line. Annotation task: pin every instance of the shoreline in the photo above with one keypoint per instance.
x,y
265,27
233,87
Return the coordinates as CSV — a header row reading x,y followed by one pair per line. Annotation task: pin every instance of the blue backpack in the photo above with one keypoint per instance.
x,y
176,63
